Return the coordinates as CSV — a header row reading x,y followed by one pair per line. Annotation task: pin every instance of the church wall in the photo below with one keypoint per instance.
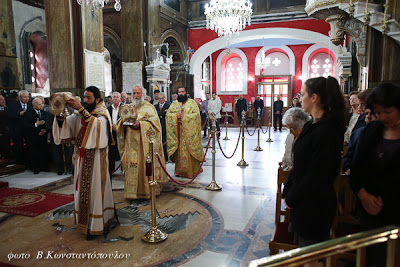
x,y
198,37
26,19
251,52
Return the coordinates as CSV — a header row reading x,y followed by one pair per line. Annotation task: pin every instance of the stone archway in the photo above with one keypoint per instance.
x,y
220,43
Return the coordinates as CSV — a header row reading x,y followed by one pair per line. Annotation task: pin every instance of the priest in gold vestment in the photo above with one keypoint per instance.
x,y
184,135
133,145
89,130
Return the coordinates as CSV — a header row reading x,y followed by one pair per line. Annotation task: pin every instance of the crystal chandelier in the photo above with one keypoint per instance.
x,y
263,62
100,3
227,17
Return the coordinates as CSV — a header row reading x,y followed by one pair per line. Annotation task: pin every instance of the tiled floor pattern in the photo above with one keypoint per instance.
x,y
241,214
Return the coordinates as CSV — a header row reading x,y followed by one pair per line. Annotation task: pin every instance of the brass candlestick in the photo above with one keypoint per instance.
x,y
154,235
242,162
258,148
213,186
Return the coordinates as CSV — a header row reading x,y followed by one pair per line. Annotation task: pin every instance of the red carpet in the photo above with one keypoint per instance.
x,y
30,203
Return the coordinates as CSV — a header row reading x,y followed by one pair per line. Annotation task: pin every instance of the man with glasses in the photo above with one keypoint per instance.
x,y
354,122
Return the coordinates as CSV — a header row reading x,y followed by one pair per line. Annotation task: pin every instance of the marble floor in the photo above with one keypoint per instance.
x,y
216,228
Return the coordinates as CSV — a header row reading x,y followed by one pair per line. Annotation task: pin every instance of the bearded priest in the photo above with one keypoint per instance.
x,y
184,135
133,145
90,130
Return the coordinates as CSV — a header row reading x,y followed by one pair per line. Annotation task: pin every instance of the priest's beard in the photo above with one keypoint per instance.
x,y
89,107
138,102
182,98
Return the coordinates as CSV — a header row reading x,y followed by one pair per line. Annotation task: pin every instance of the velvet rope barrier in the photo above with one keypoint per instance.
x,y
263,130
237,144
194,177
116,169
254,129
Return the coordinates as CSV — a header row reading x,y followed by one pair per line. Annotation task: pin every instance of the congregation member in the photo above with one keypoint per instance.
x,y
162,108
16,116
90,127
5,151
354,102
278,111
124,98
294,119
34,125
113,110
358,129
174,97
203,109
214,109
133,145
62,153
184,135
296,103
241,105
258,103
317,157
375,172
156,94
129,98
147,98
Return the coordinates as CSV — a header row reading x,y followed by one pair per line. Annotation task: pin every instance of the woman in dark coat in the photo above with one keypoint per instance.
x,y
375,172
309,192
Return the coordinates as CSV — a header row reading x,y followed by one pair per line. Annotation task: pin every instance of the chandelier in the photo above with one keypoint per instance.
x,y
100,3
227,17
263,62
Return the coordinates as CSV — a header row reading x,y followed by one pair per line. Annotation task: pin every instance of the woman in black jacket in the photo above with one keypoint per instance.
x,y
309,192
375,172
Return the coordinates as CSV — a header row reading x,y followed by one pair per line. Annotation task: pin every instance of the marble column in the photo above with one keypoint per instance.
x,y
7,41
132,33
71,28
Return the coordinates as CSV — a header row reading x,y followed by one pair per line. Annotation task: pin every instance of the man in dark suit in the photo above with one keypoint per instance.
x,y
34,126
16,116
258,103
113,153
278,110
241,105
5,151
156,95
162,108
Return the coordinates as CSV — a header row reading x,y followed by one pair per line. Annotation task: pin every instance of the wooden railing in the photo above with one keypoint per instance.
x,y
333,248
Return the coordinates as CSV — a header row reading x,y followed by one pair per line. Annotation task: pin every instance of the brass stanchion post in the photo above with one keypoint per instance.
x,y
226,122
154,235
242,162
258,148
271,118
213,186
208,131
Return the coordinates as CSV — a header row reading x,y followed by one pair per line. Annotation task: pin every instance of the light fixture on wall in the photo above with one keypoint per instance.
x,y
227,17
263,62
100,3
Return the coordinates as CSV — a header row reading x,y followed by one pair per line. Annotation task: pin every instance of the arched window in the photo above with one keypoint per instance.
x,y
321,65
234,75
231,72
276,63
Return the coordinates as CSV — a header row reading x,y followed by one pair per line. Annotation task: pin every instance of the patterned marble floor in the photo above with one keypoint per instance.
x,y
224,228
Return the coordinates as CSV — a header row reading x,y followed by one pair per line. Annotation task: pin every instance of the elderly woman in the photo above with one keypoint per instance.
x,y
294,119
317,156
375,170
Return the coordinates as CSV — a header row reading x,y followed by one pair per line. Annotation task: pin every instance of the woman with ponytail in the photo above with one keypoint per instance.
x,y
309,192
